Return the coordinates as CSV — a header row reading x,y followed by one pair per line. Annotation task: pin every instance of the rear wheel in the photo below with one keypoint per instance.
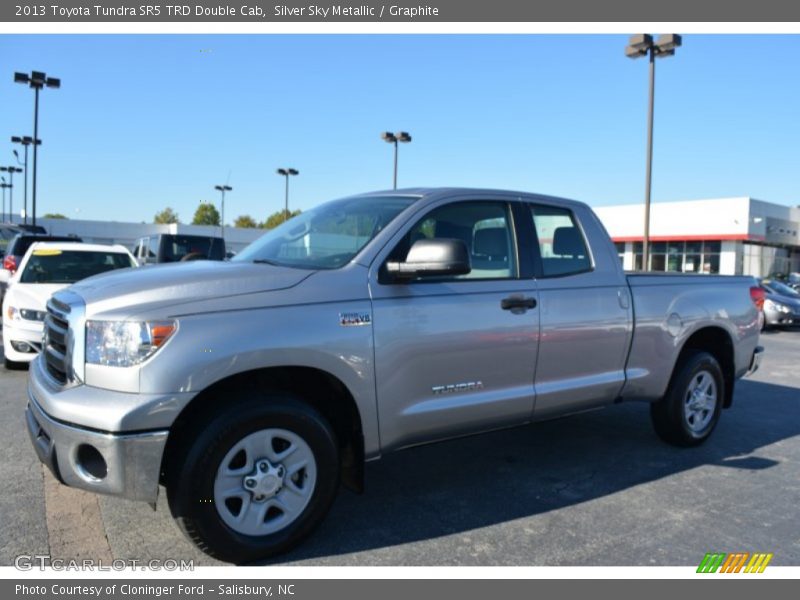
x,y
256,479
688,413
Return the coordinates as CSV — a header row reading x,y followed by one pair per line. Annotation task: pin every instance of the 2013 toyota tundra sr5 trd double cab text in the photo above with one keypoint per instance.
x,y
250,389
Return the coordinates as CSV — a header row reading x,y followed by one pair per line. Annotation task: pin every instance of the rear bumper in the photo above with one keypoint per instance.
x,y
126,465
755,361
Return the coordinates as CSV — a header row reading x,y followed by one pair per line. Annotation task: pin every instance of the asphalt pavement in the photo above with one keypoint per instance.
x,y
597,488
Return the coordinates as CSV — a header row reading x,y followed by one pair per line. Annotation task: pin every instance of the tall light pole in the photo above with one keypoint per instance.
x,y
394,138
222,189
26,141
638,46
37,80
286,173
4,185
10,170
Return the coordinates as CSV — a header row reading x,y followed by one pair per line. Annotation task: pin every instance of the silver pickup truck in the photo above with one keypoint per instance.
x,y
250,389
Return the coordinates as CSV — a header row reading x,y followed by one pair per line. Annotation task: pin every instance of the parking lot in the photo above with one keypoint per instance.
x,y
597,488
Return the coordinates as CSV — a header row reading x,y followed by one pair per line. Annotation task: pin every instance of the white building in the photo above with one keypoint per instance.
x,y
731,236
112,232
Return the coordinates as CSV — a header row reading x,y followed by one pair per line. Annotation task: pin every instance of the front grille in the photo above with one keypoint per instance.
x,y
56,334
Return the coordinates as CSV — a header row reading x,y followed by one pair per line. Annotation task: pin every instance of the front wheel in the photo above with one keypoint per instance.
x,y
691,408
256,479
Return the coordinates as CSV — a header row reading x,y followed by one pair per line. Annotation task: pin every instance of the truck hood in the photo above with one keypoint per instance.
x,y
164,285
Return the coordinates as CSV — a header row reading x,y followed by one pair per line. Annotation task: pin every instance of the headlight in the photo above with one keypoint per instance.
x,y
125,343
772,305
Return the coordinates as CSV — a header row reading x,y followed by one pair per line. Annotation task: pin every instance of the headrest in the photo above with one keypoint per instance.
x,y
567,241
491,242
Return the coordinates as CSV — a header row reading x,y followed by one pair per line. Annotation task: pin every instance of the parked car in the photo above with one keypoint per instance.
x,y
251,388
46,268
174,247
794,281
781,304
16,249
7,233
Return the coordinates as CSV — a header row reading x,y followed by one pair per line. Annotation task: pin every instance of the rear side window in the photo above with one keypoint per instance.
x,y
561,244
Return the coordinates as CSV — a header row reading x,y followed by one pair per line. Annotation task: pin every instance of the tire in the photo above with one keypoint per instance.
x,y
259,442
688,413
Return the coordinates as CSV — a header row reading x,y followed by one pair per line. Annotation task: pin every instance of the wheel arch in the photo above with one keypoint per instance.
x,y
319,388
716,341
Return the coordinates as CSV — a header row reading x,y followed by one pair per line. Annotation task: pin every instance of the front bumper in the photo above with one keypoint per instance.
x,y
118,464
30,333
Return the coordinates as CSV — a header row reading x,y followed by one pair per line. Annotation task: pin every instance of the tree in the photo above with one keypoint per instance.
x,y
54,216
245,221
206,214
277,218
166,217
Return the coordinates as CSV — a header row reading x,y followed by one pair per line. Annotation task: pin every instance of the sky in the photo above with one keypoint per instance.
x,y
142,122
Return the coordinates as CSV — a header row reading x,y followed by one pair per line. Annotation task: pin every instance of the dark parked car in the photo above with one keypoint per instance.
x,y
176,247
781,305
32,228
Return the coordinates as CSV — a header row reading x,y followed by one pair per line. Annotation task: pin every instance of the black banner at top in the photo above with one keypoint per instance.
x,y
471,11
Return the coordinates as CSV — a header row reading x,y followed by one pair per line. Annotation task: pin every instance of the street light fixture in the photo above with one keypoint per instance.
x,y
26,141
638,46
394,138
223,189
10,170
36,80
286,173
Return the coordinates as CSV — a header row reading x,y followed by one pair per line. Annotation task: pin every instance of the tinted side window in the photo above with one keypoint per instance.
x,y
152,247
561,244
485,228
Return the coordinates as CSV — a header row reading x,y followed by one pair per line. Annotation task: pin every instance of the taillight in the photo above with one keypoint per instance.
x,y
10,264
758,295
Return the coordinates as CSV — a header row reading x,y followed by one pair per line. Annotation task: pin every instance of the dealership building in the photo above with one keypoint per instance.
x,y
729,236
127,234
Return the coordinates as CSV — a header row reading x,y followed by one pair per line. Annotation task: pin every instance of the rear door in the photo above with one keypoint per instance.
x,y
584,311
451,355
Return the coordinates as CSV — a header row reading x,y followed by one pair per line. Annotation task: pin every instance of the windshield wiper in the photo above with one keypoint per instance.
x,y
265,261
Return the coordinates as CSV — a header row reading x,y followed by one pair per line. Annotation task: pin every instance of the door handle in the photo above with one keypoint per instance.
x,y
517,302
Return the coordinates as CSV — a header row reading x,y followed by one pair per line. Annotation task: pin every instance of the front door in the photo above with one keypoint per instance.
x,y
451,357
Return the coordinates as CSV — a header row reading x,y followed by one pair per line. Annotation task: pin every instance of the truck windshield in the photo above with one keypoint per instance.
x,y
328,236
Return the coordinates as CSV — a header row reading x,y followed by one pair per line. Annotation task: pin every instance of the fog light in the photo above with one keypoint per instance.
x,y
91,463
22,347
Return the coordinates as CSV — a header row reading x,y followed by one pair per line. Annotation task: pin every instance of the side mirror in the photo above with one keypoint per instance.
x,y
432,258
4,276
